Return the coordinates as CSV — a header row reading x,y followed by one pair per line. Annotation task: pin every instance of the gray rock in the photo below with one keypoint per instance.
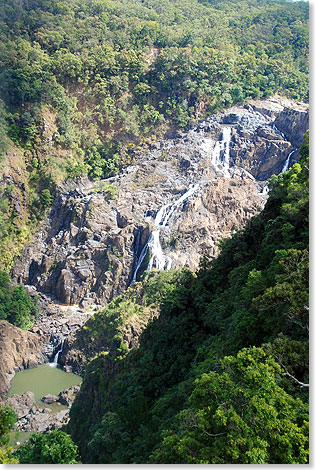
x,y
293,124
232,118
84,274
185,163
64,286
49,399
21,404
67,396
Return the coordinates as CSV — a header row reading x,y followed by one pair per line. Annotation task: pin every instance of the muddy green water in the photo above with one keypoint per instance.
x,y
42,380
16,436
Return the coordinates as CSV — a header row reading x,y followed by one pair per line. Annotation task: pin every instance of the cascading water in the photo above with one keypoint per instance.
x,y
287,162
157,259
54,363
284,168
220,157
265,190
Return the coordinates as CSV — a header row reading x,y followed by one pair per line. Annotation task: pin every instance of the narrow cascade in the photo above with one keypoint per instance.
x,y
286,163
284,168
157,259
222,146
265,190
54,363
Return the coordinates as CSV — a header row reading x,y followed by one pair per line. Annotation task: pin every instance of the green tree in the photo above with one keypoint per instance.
x,y
56,447
7,419
6,456
4,294
15,304
46,198
239,416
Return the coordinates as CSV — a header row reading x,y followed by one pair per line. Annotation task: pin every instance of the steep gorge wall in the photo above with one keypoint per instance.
x,y
18,350
88,248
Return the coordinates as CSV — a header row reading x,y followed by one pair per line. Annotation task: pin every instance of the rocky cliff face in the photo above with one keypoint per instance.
x,y
170,208
18,350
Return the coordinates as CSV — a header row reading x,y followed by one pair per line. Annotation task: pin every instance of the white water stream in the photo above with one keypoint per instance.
x,y
284,168
220,159
220,154
157,259
54,363
287,162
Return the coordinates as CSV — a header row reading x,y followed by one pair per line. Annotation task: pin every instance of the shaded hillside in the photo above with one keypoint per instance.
x,y
221,375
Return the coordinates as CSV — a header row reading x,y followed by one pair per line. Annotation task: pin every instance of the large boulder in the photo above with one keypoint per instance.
x,y
48,399
67,396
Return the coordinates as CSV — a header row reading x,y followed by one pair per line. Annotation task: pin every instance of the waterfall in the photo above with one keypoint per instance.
x,y
284,168
157,259
265,190
138,241
226,155
143,254
54,363
286,163
221,153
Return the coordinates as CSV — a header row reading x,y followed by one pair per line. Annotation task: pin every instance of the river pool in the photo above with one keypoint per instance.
x,y
43,380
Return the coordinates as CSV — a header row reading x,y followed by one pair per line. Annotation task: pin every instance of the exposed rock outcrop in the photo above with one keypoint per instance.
x,y
87,251
49,399
21,404
55,321
18,350
67,396
36,417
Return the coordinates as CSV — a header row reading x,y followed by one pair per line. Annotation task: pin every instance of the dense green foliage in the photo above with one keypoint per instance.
x,y
7,419
55,447
124,68
221,376
240,415
15,304
23,204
